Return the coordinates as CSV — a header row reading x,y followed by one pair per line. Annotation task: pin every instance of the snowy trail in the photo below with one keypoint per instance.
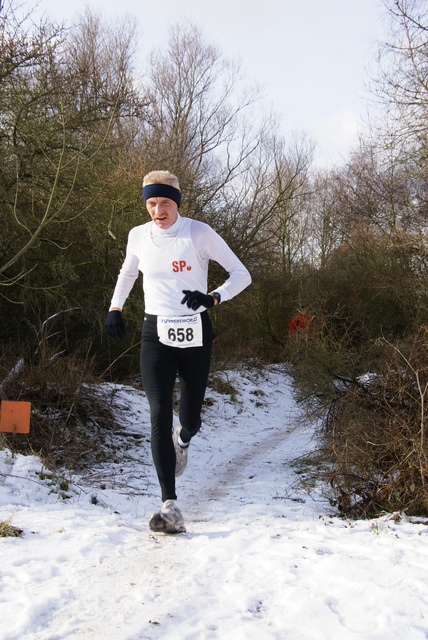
x,y
261,559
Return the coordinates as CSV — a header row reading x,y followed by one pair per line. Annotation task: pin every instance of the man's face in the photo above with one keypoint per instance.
x,y
163,211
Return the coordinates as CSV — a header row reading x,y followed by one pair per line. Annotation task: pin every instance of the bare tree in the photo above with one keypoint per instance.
x,y
68,114
196,121
62,97
327,226
401,83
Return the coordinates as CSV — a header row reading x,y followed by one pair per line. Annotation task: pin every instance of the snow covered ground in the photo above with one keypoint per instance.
x,y
262,558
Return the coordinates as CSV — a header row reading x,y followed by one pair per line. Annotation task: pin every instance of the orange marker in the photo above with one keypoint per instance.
x,y
15,416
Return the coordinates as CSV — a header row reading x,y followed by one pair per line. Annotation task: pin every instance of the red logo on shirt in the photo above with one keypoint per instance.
x,y
180,265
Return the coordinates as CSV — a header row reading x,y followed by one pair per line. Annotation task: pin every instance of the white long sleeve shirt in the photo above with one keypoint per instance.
x,y
175,259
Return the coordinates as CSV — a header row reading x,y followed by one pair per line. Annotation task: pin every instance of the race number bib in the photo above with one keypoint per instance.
x,y
180,331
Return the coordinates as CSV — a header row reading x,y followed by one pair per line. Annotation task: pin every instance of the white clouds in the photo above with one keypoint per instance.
x,y
337,134
310,57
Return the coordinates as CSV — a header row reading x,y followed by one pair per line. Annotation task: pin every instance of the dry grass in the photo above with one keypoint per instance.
x,y
8,530
376,436
70,417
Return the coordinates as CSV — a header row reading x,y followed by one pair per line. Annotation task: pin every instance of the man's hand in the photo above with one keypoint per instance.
x,y
196,299
114,325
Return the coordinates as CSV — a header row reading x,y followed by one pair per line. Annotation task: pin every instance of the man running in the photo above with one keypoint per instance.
x,y
173,254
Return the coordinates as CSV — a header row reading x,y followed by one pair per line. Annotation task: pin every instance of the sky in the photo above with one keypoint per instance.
x,y
311,57
264,557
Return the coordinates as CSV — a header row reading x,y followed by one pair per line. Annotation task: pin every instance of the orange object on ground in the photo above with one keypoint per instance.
x,y
15,416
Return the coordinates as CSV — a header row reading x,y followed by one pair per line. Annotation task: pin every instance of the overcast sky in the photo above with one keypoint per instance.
x,y
311,56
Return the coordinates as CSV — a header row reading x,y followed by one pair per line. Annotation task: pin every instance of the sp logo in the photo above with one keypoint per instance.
x,y
180,265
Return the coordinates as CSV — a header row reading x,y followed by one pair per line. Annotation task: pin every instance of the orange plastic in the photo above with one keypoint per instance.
x,y
15,416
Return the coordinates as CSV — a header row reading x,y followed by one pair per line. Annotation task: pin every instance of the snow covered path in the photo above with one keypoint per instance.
x,y
261,558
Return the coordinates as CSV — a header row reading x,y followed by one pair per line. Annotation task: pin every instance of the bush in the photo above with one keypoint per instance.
x,y
375,435
71,416
375,285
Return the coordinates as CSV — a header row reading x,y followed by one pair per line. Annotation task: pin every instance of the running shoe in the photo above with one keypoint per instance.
x,y
168,520
181,453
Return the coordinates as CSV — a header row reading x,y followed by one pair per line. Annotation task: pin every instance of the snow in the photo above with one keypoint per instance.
x,y
264,556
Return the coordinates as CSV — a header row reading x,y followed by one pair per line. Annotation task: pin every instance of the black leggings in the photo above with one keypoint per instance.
x,y
160,365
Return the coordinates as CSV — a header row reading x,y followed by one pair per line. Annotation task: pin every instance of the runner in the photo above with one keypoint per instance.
x,y
173,254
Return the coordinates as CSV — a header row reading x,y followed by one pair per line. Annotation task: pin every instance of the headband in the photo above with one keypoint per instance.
x,y
162,191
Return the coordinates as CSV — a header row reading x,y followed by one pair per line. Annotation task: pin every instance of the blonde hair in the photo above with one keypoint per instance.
x,y
161,177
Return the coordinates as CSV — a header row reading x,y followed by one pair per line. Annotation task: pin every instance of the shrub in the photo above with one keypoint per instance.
x,y
71,415
375,435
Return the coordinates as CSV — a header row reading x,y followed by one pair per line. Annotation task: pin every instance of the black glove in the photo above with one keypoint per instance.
x,y
195,299
114,325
